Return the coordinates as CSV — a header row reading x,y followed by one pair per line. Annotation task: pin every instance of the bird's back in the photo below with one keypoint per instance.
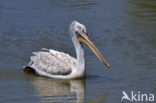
x,y
51,62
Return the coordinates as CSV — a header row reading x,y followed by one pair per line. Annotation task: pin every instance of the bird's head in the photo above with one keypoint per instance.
x,y
78,32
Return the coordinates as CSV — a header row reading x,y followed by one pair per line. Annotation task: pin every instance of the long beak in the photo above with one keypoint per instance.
x,y
88,42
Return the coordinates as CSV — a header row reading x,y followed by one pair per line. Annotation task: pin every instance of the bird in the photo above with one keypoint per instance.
x,y
58,65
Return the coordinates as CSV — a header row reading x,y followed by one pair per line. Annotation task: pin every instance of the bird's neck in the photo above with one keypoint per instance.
x,y
80,59
80,67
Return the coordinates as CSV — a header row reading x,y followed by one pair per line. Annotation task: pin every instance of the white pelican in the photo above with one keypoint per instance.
x,y
55,64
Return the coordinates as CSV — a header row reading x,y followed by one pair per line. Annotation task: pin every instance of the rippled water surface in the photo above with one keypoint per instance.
x,y
123,30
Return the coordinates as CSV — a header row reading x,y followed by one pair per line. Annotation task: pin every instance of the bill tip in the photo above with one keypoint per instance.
x,y
109,66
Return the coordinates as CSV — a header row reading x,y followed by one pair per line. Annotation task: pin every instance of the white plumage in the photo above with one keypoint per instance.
x,y
54,64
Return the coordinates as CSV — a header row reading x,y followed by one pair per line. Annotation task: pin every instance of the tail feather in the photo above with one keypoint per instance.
x,y
28,70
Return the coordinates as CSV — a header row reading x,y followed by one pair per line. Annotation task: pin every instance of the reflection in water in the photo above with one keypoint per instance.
x,y
58,91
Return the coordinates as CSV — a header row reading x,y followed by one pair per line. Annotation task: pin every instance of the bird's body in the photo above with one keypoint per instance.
x,y
54,64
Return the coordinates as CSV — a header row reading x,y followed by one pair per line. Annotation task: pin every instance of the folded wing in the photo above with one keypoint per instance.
x,y
52,62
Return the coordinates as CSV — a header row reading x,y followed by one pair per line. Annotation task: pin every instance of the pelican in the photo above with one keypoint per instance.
x,y
55,64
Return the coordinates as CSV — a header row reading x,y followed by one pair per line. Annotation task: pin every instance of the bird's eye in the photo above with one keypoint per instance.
x,y
83,31
76,32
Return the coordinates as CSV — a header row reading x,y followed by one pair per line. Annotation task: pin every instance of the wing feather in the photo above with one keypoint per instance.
x,y
52,62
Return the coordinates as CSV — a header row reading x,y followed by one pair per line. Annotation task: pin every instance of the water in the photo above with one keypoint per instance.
x,y
123,30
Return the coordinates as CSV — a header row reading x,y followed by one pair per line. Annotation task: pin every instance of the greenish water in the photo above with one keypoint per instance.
x,y
123,30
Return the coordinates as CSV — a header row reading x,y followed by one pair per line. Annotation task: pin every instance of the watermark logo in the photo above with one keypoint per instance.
x,y
137,96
